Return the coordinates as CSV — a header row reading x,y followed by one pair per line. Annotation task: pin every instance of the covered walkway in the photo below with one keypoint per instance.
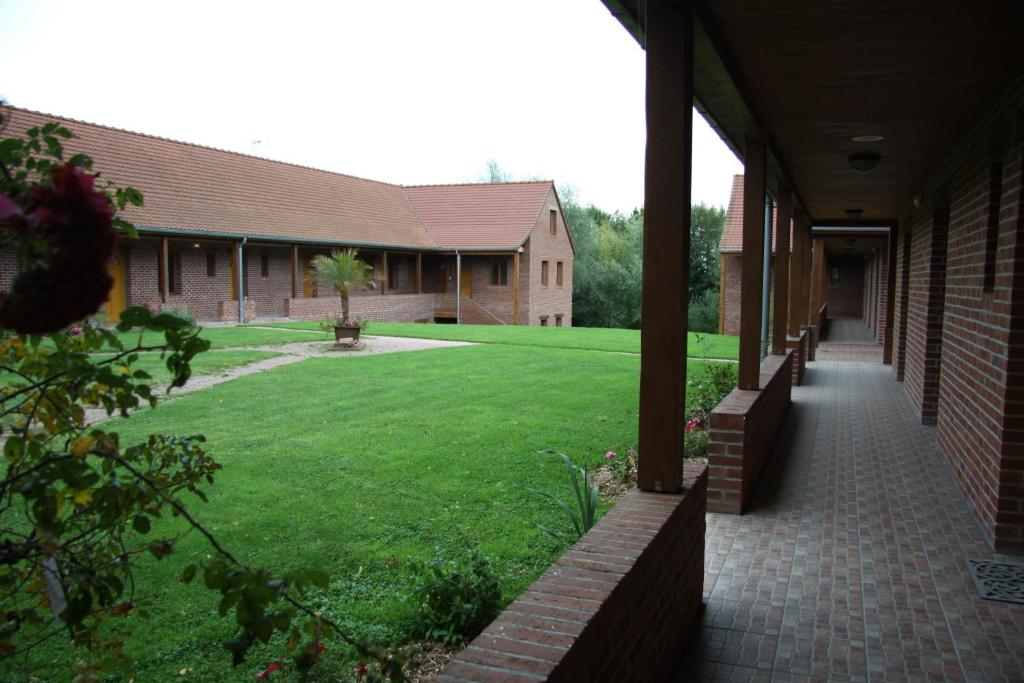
x,y
849,339
851,563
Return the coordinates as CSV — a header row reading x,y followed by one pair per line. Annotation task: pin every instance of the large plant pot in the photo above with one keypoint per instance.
x,y
346,332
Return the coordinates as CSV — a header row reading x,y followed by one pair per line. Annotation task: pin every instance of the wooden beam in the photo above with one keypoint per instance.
x,y
165,260
666,248
805,278
817,281
780,285
753,263
796,274
295,271
384,270
515,289
419,273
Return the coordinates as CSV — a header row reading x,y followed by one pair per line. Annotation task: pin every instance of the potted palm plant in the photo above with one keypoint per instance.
x,y
344,272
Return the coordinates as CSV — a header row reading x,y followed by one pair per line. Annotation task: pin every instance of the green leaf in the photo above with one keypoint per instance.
x,y
189,573
141,524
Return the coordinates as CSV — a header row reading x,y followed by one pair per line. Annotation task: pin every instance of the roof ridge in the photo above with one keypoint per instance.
x,y
510,182
198,145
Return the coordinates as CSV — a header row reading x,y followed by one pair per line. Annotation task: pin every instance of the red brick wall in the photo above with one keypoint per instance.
x,y
903,249
390,307
798,345
924,312
975,395
846,297
618,606
743,430
550,300
729,297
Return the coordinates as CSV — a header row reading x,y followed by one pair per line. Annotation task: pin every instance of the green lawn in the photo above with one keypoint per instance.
x,y
204,364
226,337
591,338
359,466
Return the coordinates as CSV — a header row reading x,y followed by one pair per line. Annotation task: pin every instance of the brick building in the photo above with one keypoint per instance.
x,y
874,476
215,223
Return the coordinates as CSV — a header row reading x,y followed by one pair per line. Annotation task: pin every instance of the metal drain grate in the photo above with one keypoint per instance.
x,y
1002,581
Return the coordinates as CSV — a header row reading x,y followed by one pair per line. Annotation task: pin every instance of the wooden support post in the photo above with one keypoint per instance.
x,y
295,271
165,276
384,270
805,278
419,273
515,288
796,274
666,248
818,269
780,320
754,159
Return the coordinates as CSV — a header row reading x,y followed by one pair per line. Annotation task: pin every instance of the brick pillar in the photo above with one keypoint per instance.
x,y
818,271
780,293
666,249
754,158
890,295
925,308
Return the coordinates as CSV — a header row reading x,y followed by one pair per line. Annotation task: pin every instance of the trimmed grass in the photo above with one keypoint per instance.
x,y
204,364
361,466
583,338
228,337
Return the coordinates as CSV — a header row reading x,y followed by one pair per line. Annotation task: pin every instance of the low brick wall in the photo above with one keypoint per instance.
x,y
822,323
812,340
381,307
228,310
618,606
743,431
798,345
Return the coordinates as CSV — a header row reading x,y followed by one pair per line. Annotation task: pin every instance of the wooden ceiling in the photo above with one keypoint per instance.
x,y
813,74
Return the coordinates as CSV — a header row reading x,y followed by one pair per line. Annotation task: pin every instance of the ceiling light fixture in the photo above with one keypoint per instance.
x,y
867,138
865,161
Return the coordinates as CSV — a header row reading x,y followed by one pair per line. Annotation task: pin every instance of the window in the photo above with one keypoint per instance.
x,y
173,274
992,234
499,273
558,319
544,321
211,264
392,275
544,273
264,264
553,221
558,274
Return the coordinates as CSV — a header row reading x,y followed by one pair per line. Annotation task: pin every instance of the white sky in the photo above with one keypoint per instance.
x,y
405,91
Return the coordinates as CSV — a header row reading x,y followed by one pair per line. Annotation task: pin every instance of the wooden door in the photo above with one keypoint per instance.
x,y
467,280
441,278
308,280
117,299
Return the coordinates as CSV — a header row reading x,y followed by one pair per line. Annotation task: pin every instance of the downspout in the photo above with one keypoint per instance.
x,y
241,293
458,287
766,275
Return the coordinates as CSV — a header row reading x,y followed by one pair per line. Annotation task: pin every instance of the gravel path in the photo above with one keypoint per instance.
x,y
294,353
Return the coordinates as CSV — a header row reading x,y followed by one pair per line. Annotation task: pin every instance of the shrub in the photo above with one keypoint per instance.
x,y
714,385
587,497
458,597
702,313
622,466
184,316
695,443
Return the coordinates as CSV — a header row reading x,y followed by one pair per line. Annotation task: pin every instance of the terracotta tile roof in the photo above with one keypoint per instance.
x,y
492,215
732,233
199,189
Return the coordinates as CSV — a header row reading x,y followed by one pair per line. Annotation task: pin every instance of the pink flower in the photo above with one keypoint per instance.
x,y
609,455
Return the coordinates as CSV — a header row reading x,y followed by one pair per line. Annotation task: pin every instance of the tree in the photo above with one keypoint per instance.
x,y
706,223
78,506
343,271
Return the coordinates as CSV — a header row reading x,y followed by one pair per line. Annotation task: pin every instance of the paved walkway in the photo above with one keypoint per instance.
x,y
851,564
849,339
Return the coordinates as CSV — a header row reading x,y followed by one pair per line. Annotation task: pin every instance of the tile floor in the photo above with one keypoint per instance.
x,y
851,564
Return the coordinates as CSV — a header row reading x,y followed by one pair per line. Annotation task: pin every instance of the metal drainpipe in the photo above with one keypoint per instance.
x,y
766,275
241,281
458,288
